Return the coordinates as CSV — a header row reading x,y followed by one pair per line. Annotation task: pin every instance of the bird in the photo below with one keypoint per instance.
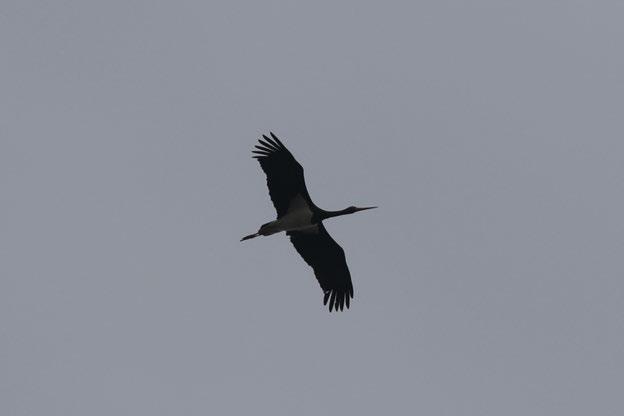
x,y
302,221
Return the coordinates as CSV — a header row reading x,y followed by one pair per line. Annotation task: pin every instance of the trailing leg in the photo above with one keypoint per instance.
x,y
247,237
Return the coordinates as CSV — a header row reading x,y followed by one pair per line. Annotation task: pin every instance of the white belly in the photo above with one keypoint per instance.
x,y
298,217
295,221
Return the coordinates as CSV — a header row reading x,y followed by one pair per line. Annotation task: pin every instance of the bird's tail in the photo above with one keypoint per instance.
x,y
250,236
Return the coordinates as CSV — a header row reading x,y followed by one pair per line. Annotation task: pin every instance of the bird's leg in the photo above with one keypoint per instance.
x,y
250,236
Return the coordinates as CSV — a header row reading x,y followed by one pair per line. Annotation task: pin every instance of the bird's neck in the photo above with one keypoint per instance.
x,y
329,214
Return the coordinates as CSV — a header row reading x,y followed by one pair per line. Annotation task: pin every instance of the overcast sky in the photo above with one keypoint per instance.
x,y
489,281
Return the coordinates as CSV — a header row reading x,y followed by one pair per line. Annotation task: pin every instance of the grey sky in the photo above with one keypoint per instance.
x,y
489,282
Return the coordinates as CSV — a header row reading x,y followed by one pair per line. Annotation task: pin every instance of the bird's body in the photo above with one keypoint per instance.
x,y
297,218
302,221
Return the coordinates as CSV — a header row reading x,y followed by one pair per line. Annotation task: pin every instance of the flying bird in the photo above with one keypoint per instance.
x,y
302,221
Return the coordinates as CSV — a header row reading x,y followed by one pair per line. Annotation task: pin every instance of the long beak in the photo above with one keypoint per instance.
x,y
363,209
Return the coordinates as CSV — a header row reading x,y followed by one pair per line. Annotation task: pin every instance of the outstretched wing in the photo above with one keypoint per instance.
x,y
327,258
284,174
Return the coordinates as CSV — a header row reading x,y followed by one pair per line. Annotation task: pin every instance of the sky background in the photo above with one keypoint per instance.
x,y
489,281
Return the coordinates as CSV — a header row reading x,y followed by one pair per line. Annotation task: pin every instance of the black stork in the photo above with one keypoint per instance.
x,y
303,221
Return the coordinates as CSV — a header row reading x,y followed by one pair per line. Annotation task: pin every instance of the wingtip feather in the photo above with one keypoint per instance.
x,y
277,140
332,300
269,143
270,140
